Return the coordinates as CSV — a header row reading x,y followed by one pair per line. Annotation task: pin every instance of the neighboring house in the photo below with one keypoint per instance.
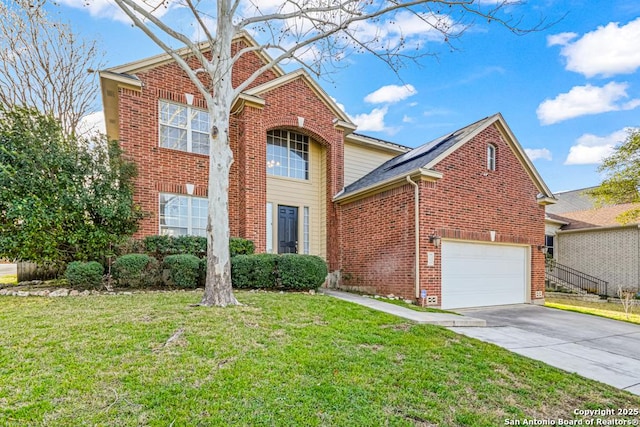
x,y
588,238
303,181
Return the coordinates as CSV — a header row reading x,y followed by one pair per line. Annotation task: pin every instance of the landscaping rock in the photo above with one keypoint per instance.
x,y
4,291
62,292
22,294
74,293
85,293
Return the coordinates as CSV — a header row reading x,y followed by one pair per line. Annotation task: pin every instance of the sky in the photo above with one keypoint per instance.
x,y
569,92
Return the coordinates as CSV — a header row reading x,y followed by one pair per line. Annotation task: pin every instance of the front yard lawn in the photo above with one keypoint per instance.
x,y
280,359
602,309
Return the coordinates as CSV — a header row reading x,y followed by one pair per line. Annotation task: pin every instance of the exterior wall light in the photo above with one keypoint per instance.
x,y
435,239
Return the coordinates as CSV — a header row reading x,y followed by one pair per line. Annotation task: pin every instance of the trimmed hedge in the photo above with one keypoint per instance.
x,y
84,274
161,246
240,246
301,271
272,271
184,270
254,271
136,271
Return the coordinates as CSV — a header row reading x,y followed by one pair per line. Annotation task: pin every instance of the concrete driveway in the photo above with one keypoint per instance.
x,y
601,349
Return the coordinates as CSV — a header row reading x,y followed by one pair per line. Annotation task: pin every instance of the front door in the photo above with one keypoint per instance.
x,y
287,229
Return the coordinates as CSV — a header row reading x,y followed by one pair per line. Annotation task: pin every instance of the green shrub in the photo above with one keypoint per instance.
x,y
202,272
193,245
254,271
184,270
240,246
271,271
158,245
136,271
84,274
302,272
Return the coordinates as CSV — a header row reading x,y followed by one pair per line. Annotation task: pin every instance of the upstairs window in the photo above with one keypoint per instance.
x,y
491,157
184,128
287,154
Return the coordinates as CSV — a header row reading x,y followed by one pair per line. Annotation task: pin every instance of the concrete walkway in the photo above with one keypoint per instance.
x,y
440,319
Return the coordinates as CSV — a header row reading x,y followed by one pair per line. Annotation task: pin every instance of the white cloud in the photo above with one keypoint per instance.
x,y
606,51
390,94
109,10
340,106
373,121
92,124
592,149
585,100
407,119
560,39
538,153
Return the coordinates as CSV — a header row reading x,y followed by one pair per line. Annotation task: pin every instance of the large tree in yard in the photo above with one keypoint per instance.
x,y
622,182
314,33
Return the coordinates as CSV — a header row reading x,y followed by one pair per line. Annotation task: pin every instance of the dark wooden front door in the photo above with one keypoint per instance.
x,y
287,229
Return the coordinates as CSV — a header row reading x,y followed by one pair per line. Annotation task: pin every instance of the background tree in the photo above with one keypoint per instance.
x,y
314,33
622,182
44,65
62,198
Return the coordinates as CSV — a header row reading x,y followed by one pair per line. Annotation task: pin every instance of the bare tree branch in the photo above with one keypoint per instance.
x,y
44,65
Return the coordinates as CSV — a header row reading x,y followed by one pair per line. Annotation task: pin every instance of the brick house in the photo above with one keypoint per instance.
x,y
589,239
294,153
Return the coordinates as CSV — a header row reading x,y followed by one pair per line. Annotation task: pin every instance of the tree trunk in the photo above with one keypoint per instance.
x,y
218,289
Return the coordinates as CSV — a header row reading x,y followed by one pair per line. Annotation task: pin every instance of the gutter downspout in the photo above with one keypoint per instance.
x,y
417,233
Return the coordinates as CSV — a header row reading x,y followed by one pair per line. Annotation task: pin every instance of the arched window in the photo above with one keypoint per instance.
x,y
287,154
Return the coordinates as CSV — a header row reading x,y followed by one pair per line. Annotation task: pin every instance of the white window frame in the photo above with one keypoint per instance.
x,y
190,210
491,157
290,144
269,227
188,127
305,231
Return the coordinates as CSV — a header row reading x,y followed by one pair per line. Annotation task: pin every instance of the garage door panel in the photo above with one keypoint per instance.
x,y
475,274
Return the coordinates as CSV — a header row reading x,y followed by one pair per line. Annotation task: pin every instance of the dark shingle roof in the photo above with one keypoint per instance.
x,y
416,158
572,201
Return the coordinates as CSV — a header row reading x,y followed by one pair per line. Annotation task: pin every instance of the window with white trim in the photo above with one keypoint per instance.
x,y
184,128
183,215
491,157
305,231
269,227
287,154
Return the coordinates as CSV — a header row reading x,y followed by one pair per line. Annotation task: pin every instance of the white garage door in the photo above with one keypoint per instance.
x,y
476,275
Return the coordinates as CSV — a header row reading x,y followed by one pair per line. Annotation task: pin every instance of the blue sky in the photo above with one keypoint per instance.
x,y
568,92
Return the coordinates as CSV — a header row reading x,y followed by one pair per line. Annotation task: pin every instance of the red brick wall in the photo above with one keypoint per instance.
x,y
466,203
284,105
165,170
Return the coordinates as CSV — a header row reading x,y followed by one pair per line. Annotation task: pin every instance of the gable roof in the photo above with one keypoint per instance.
x,y
421,160
572,201
165,58
315,87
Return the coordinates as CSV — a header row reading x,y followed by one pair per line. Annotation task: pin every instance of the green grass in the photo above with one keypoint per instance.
x,y
10,279
606,309
280,359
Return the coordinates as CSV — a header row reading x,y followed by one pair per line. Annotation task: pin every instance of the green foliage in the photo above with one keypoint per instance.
x,y
254,271
301,271
240,246
84,274
184,270
622,182
136,271
271,271
62,198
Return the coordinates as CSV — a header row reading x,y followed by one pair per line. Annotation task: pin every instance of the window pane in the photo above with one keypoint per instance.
x,y
199,211
200,121
174,138
173,214
287,154
199,143
173,114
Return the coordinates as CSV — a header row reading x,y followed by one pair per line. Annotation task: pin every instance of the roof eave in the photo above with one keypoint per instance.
x,y
420,174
